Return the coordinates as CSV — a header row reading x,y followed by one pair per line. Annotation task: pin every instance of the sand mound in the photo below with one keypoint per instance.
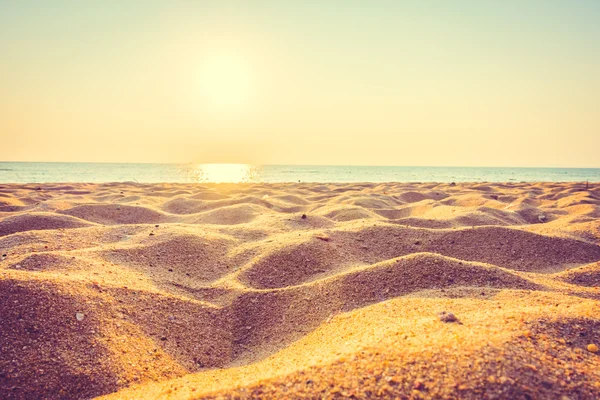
x,y
44,346
295,263
11,204
276,318
588,275
116,214
290,199
195,334
577,199
428,223
345,213
412,197
184,206
48,352
469,218
532,215
201,205
275,290
296,222
209,195
230,215
486,372
14,209
506,217
478,219
394,213
182,257
469,200
43,262
368,202
515,249
38,221
424,271
397,348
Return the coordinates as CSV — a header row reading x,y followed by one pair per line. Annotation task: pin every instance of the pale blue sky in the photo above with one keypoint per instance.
x,y
512,83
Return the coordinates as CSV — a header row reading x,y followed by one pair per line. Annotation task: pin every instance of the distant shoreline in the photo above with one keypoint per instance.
x,y
24,172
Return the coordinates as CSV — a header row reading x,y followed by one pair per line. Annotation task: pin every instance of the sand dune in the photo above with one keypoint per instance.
x,y
37,221
299,290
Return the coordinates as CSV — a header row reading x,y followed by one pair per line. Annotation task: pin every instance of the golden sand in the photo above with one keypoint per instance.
x,y
300,291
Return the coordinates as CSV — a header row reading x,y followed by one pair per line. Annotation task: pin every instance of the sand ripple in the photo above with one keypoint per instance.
x,y
257,287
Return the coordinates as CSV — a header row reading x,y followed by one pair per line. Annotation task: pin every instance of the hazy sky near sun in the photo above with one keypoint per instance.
x,y
421,82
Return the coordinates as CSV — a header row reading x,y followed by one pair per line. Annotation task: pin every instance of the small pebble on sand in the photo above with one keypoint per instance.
x,y
447,317
418,385
79,316
303,216
592,348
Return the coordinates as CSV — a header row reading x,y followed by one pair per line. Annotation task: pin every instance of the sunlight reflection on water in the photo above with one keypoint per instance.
x,y
28,172
224,173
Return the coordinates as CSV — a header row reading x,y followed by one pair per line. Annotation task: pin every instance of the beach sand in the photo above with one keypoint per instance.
x,y
189,291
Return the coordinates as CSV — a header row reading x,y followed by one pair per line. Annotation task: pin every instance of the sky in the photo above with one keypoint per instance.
x,y
329,82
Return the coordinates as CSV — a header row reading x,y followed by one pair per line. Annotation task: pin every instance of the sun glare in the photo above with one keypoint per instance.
x,y
225,82
224,173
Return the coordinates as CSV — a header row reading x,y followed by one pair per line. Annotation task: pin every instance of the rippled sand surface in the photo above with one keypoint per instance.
x,y
300,290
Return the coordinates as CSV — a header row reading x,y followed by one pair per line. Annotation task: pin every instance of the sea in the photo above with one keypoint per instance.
x,y
56,172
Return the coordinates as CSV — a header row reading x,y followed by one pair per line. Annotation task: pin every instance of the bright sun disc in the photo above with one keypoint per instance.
x,y
225,82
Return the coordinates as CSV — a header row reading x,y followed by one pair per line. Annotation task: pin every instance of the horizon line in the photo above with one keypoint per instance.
x,y
295,165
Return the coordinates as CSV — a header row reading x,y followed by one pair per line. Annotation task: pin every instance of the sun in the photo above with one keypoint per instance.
x,y
226,82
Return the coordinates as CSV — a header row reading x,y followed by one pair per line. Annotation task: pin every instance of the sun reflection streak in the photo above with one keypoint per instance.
x,y
224,173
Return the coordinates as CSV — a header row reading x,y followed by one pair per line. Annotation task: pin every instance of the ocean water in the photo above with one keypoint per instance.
x,y
33,172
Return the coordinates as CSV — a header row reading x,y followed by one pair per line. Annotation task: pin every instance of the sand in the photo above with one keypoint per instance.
x,y
185,291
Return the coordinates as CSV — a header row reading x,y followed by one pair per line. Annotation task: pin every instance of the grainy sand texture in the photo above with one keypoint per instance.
x,y
189,291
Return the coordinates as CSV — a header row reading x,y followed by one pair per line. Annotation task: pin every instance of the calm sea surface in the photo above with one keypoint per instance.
x,y
29,172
